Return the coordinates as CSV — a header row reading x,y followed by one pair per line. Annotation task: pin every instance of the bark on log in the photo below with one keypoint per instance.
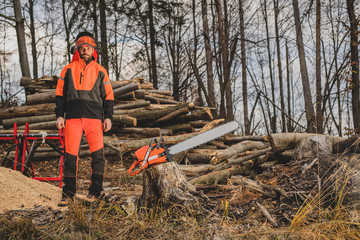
x,y
151,114
27,110
166,93
150,132
160,100
126,89
196,170
9,123
126,96
252,155
48,97
203,114
264,189
132,105
350,145
185,127
235,149
125,119
50,125
212,124
285,141
166,184
176,113
159,96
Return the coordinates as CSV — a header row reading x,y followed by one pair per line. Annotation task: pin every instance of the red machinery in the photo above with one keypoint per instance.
x,y
24,154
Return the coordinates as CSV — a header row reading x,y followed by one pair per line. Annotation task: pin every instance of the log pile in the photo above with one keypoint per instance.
x,y
139,109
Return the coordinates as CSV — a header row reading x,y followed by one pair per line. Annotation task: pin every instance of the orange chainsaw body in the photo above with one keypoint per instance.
x,y
157,153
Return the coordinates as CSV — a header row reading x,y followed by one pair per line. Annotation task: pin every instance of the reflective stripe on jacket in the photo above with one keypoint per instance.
x,y
84,91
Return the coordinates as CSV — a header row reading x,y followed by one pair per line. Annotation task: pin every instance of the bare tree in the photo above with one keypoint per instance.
x,y
208,55
319,111
354,49
243,68
153,76
309,109
282,102
103,36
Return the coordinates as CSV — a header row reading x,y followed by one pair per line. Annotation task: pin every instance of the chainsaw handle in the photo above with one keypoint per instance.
x,y
132,168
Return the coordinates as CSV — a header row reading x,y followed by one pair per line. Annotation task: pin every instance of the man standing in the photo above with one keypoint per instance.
x,y
84,97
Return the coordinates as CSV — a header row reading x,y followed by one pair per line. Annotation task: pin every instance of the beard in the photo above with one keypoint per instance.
x,y
87,58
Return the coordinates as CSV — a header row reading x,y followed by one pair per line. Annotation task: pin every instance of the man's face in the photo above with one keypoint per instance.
x,y
86,52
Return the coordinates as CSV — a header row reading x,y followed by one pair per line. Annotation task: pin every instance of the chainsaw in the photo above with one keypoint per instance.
x,y
157,152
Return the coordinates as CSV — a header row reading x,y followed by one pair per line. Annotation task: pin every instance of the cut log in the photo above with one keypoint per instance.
x,y
350,145
125,119
9,123
48,97
132,105
264,189
285,141
236,149
27,110
212,124
166,184
166,93
151,114
196,170
50,125
185,127
244,138
252,155
159,96
213,177
160,100
150,132
126,96
126,89
204,114
176,113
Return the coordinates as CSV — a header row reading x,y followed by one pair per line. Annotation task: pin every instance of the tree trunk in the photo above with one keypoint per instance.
x,y
272,118
319,112
282,103
208,55
290,127
354,49
103,33
309,109
152,45
243,67
166,184
67,31
33,39
20,34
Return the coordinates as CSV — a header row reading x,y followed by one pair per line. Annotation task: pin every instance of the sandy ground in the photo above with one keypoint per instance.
x,y
20,192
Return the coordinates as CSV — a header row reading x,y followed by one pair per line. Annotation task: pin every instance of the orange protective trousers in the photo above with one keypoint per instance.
x,y
93,129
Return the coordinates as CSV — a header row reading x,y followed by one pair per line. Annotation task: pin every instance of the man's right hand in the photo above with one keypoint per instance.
x,y
60,123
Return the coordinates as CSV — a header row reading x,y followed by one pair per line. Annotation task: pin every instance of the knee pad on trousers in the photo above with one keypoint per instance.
x,y
98,162
96,184
70,165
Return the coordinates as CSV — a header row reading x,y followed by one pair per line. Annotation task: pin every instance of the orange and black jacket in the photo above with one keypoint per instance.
x,y
84,91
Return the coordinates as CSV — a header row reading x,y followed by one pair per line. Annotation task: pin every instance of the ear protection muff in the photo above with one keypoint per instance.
x,y
72,50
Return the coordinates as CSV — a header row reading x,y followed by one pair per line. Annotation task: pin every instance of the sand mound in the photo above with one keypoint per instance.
x,y
19,192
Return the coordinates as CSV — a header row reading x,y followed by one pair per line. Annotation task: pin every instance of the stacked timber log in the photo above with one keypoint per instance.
x,y
139,109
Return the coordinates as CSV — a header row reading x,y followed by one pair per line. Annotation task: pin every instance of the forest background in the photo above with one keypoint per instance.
x,y
272,65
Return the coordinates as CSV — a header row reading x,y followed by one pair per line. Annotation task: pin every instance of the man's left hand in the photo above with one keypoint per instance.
x,y
107,124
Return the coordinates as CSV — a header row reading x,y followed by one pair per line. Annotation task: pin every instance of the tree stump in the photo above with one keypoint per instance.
x,y
165,185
